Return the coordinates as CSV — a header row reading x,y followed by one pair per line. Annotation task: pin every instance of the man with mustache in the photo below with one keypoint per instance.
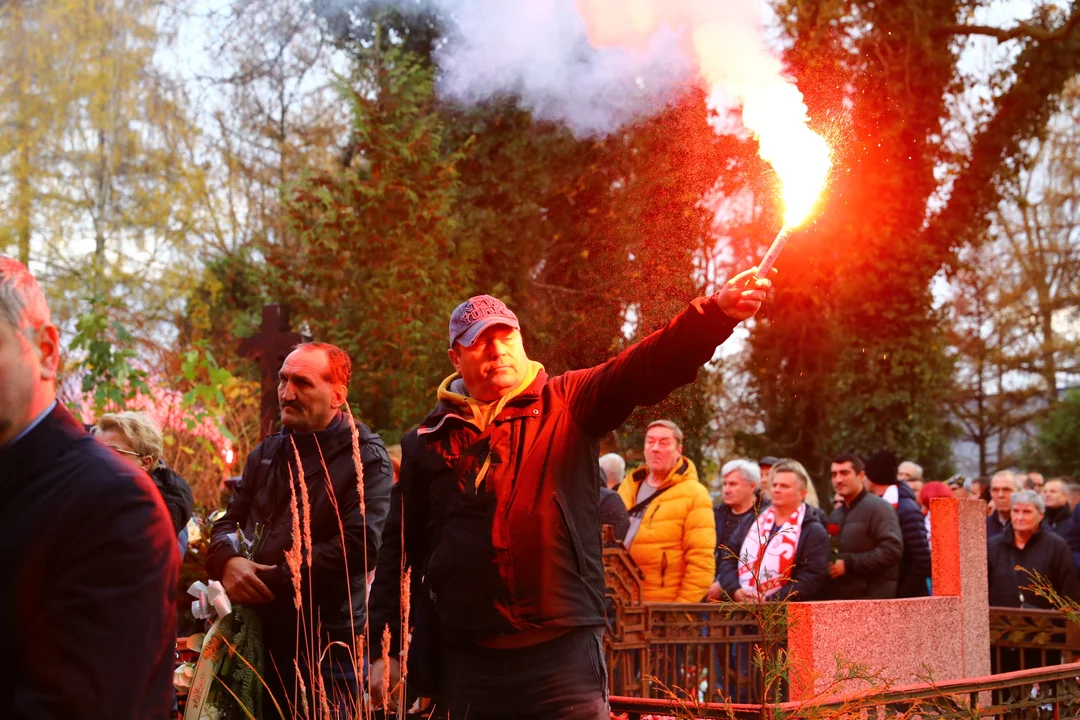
x,y
497,505
327,598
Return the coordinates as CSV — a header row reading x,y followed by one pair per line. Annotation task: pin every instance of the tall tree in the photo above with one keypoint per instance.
x,y
374,266
990,403
1016,291
102,179
271,111
852,354
1036,226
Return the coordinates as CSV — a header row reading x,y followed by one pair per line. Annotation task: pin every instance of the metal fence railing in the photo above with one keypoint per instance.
x,y
696,652
703,653
1050,693
1021,639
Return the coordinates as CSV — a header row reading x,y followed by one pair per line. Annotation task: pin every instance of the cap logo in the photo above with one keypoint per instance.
x,y
482,307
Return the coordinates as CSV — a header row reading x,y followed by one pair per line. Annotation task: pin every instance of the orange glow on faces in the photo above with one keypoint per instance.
x,y
726,42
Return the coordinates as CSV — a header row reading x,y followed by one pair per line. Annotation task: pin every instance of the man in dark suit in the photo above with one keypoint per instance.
x,y
87,599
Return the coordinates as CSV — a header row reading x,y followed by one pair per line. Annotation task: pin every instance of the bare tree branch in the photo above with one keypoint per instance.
x,y
1021,30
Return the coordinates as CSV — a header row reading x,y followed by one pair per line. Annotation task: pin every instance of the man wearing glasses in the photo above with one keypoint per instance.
x,y
87,599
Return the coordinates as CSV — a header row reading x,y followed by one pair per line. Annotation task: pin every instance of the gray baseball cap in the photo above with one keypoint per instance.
x,y
477,314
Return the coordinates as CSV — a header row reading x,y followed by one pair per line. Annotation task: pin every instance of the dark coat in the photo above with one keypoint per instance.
x,y
810,576
613,513
523,551
176,493
1072,535
995,525
1058,521
1045,553
88,597
263,497
915,563
727,548
871,546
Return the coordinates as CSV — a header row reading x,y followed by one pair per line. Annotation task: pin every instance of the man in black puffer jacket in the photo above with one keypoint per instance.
x,y
1028,545
869,545
313,386
881,471
1023,549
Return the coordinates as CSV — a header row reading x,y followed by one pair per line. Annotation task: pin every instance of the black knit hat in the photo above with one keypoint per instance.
x,y
881,468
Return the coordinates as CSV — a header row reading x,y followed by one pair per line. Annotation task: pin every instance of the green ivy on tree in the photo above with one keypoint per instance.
x,y
107,369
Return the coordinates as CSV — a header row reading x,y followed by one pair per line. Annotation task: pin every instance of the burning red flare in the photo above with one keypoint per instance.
x,y
726,43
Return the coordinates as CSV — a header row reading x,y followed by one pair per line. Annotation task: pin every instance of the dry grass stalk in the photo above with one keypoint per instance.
x,y
303,691
358,465
323,701
406,608
386,671
312,636
344,548
304,501
357,462
294,555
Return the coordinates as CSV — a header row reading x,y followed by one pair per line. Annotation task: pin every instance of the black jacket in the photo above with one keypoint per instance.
x,y
523,551
871,546
1072,535
995,525
811,572
88,595
613,513
915,563
727,549
263,497
1058,521
811,569
176,494
1045,553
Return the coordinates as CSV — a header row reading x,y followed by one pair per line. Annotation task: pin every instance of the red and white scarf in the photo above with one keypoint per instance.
x,y
764,570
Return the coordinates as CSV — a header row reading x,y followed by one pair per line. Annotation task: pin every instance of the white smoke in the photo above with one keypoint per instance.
x,y
596,64
539,51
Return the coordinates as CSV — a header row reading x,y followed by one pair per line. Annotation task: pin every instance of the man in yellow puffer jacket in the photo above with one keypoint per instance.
x,y
672,530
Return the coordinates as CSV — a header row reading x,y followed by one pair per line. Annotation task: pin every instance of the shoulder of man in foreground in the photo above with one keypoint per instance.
x,y
93,477
99,597
116,500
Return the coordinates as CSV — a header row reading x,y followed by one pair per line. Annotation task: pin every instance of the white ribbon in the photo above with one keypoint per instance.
x,y
211,600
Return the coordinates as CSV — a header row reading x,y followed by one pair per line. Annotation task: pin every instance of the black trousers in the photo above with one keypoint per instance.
x,y
561,679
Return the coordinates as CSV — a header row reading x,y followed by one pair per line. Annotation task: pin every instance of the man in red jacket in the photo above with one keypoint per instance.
x,y
497,506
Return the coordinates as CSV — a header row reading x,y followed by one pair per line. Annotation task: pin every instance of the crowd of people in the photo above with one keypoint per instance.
x,y
770,539
480,535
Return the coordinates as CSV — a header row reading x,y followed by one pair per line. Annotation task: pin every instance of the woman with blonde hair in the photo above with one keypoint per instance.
x,y
137,438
